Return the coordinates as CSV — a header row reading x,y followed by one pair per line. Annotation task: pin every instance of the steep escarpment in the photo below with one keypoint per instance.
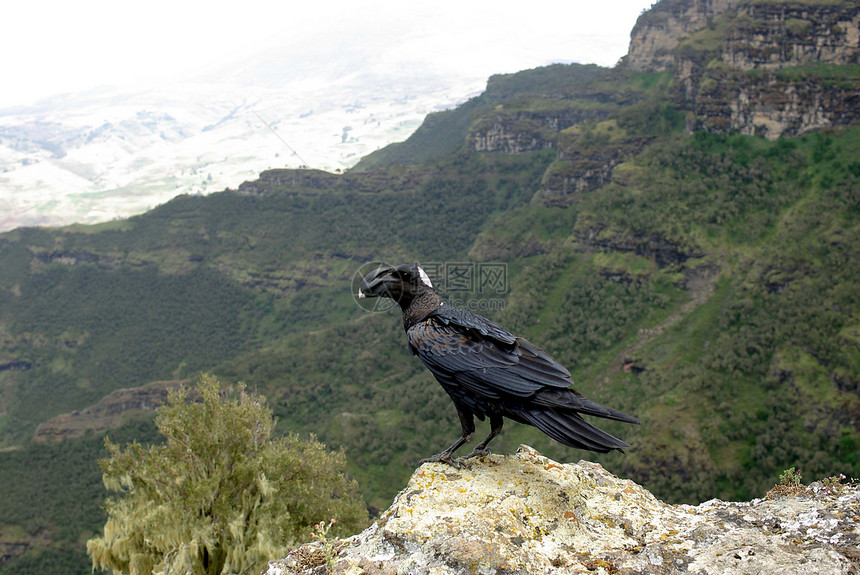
x,y
759,67
659,30
747,33
518,113
756,67
772,68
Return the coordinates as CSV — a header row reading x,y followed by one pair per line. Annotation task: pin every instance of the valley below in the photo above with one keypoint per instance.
x,y
103,155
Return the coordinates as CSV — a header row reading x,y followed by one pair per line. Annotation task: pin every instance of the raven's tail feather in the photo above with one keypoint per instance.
x,y
591,408
568,399
570,429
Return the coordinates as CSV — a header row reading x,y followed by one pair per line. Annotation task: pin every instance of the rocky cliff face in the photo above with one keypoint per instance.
x,y
659,30
779,69
775,35
526,131
528,514
756,66
763,33
587,156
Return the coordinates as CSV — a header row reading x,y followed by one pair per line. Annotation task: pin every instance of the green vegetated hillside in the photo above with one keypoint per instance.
x,y
705,282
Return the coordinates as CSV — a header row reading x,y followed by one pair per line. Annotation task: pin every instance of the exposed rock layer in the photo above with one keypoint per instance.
x,y
108,413
755,67
659,30
779,69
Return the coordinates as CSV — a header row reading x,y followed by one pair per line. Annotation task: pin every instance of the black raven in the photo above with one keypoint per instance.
x,y
488,371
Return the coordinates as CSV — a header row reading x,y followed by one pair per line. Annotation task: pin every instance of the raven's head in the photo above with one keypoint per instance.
x,y
402,284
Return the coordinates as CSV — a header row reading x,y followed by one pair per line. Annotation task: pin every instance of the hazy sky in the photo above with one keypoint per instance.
x,y
55,46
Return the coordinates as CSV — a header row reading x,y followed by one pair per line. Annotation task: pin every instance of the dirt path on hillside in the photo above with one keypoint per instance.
x,y
700,284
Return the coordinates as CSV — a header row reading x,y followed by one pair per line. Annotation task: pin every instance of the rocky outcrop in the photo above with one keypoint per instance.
x,y
662,251
512,135
74,258
773,69
776,35
658,31
526,111
523,131
567,180
587,156
108,413
761,34
756,67
772,105
313,182
272,181
528,514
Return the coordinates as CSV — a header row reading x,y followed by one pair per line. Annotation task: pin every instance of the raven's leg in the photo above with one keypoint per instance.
x,y
496,423
467,422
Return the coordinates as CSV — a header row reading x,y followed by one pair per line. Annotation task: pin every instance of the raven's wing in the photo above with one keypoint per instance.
x,y
468,321
466,350
483,357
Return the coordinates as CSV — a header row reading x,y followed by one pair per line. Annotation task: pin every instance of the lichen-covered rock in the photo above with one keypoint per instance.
x,y
525,513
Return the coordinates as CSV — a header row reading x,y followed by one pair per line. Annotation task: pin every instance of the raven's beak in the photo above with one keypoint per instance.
x,y
376,283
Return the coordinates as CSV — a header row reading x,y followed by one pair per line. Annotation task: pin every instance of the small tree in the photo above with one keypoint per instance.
x,y
221,495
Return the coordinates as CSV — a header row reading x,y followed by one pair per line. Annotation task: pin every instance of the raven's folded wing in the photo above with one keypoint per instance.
x,y
467,321
482,364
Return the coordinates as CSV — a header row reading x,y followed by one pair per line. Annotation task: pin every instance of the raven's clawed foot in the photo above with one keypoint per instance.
x,y
443,457
478,452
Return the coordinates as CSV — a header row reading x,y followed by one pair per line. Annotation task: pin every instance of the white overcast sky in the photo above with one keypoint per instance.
x,y
56,46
